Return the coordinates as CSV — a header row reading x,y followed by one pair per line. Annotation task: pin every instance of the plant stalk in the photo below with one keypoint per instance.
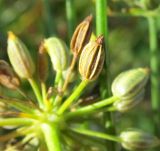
x,y
36,91
154,65
65,85
102,28
16,121
44,91
91,108
73,62
73,96
51,135
96,134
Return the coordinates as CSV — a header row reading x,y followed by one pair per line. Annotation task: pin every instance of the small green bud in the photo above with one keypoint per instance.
x,y
19,57
42,63
81,35
129,83
58,53
7,76
138,140
92,59
125,104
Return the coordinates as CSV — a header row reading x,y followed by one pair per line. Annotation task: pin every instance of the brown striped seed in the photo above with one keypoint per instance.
x,y
7,76
19,57
81,35
92,59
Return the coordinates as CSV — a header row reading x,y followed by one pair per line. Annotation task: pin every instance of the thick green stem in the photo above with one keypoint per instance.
x,y
15,121
102,28
73,96
36,91
91,108
70,12
51,135
101,18
154,65
97,134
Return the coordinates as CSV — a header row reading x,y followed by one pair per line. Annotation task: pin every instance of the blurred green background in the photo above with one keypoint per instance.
x,y
128,35
128,41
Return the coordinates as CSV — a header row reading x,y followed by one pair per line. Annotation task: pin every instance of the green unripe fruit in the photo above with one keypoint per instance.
x,y
129,83
124,104
138,140
19,57
58,53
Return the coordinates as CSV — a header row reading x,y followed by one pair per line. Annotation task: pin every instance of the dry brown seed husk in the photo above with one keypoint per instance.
x,y
92,59
42,63
7,76
81,35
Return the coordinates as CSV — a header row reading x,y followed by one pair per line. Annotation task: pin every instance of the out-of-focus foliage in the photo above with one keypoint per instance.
x,y
127,39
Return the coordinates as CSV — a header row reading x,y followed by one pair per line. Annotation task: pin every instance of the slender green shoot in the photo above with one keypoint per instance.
x,y
97,134
36,91
58,77
73,96
16,121
154,65
43,87
92,108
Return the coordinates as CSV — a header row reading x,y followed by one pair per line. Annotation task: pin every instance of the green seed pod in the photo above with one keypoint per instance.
x,y
92,59
138,140
81,35
58,53
129,83
19,57
7,76
124,104
42,63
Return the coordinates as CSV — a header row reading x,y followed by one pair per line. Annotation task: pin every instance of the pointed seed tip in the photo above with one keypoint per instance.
x,y
89,18
100,39
42,47
11,35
